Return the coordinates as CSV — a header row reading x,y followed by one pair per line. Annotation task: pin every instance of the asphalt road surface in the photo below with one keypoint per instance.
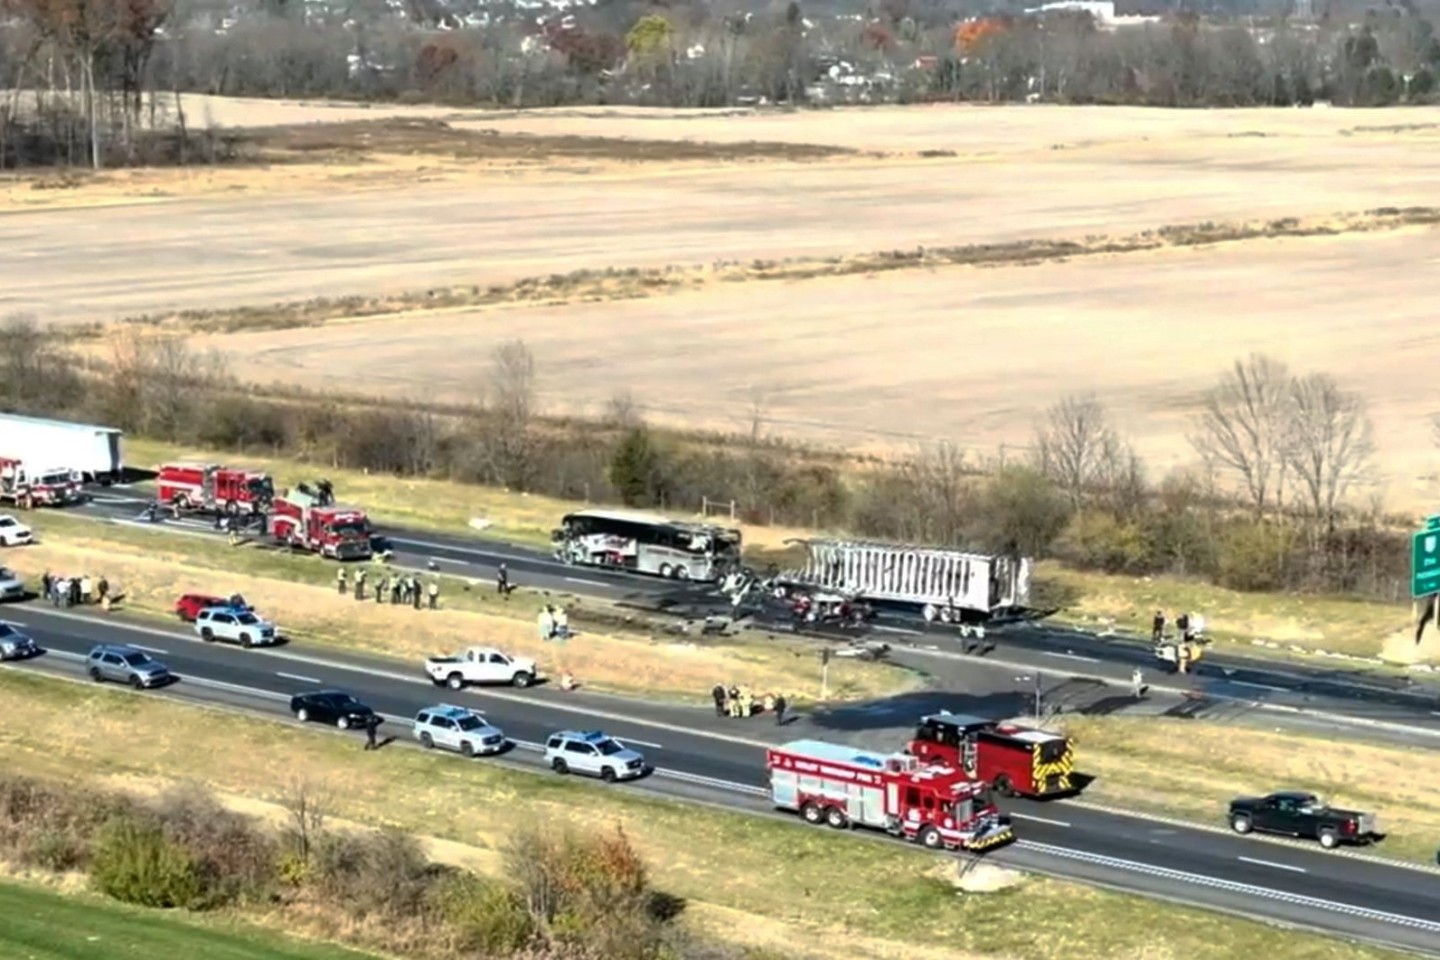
x,y
699,756
1385,705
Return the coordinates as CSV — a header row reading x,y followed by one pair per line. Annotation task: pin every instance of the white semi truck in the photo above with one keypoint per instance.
x,y
44,446
941,584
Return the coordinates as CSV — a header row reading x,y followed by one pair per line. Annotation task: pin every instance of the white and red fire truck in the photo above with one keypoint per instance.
x,y
26,488
212,488
300,519
936,806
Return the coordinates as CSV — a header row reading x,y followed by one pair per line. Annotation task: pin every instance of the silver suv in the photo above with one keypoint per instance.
x,y
593,753
456,728
124,664
236,626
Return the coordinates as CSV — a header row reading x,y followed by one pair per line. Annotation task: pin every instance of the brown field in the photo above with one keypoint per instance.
x,y
877,361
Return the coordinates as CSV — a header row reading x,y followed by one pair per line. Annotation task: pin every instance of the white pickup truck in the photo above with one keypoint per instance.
x,y
480,665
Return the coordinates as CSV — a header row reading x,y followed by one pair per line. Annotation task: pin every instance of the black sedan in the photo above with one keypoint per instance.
x,y
330,706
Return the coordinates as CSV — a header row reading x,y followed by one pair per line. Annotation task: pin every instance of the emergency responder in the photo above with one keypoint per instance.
x,y
780,710
47,585
85,588
397,590
415,592
747,702
434,592
1157,626
562,624
372,722
360,585
502,581
717,693
1182,623
546,622
1137,684
381,587
340,581
102,589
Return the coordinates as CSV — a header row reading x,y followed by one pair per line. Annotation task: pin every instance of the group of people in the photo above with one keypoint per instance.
x,y
1189,625
65,591
739,701
401,590
554,623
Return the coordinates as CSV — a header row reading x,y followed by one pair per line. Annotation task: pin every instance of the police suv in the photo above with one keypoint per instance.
x,y
593,753
235,625
457,728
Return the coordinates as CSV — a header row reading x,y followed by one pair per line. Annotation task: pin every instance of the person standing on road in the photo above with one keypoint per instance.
x,y
434,593
47,584
717,693
780,710
340,581
1157,627
1137,684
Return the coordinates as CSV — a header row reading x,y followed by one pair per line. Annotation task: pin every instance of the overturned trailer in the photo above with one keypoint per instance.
x,y
945,585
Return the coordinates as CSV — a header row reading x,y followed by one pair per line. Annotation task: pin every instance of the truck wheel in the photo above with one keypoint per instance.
x,y
1004,787
1241,823
812,814
608,774
930,839
456,681
207,634
427,741
1329,839
232,508
560,766
930,612
522,680
836,818
467,749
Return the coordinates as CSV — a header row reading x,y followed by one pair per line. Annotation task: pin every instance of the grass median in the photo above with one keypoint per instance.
x,y
1293,624
1191,770
43,924
769,885
152,567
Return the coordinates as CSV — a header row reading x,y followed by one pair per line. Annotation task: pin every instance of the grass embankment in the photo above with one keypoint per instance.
x,y
1296,623
45,925
764,883
1191,770
151,568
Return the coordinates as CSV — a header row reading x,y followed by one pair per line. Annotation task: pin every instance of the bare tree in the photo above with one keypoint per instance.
x,y
943,495
1076,447
1330,441
309,805
1243,424
510,414
622,412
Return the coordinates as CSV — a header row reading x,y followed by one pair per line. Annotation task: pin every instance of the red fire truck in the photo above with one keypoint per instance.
x,y
37,488
936,806
1017,760
212,488
300,519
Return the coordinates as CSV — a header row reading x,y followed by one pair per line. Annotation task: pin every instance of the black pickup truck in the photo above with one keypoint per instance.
x,y
1302,815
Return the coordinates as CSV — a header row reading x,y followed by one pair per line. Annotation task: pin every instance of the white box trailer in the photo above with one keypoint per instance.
x,y
92,451
942,584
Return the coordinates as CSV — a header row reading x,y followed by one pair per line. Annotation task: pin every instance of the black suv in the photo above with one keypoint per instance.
x,y
1302,815
330,706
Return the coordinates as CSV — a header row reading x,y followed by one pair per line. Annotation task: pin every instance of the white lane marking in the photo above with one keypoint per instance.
x,y
644,743
588,583
458,563
1069,656
1258,686
882,628
296,676
1273,864
1026,816
1215,883
141,646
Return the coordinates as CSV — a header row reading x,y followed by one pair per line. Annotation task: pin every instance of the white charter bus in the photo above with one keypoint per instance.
x,y
642,544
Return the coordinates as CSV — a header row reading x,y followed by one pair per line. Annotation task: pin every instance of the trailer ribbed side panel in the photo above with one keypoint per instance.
x,y
919,575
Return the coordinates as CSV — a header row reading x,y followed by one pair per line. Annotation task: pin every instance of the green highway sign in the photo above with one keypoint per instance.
x,y
1425,560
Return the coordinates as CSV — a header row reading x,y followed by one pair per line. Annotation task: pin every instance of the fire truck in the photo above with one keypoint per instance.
x,y
212,488
37,488
313,522
938,807
1017,760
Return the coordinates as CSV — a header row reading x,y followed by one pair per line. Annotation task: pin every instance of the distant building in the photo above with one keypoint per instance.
x,y
1102,10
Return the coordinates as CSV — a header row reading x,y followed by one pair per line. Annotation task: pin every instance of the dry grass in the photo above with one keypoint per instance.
x,y
1191,770
1297,623
849,899
152,569
418,503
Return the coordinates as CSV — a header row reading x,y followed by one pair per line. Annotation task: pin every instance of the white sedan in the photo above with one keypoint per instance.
x,y
13,533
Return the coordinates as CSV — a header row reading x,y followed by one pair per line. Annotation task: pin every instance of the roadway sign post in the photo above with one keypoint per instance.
x,y
1425,560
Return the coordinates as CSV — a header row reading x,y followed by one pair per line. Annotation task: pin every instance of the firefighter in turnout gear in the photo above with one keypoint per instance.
x,y
340,581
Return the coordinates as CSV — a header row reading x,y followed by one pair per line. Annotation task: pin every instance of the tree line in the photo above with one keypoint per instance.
x,y
1283,459
98,82
565,895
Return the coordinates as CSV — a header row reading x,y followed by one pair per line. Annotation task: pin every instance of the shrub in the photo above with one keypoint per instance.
x,y
384,873
51,827
485,917
234,857
135,863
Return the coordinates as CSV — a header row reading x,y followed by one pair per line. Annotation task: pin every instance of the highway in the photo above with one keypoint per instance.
x,y
1386,705
701,757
